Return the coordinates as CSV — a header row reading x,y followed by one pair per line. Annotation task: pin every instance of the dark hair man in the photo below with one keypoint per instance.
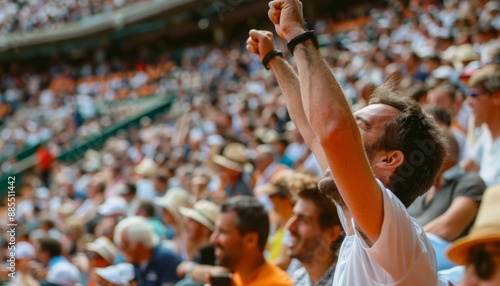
x,y
240,236
390,143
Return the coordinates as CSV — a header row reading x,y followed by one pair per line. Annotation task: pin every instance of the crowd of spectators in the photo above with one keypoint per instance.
x,y
159,196
28,16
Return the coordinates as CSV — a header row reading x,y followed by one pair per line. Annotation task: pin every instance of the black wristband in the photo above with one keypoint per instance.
x,y
269,56
309,35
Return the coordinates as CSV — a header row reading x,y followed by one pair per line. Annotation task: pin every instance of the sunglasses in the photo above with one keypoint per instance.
x,y
479,91
483,261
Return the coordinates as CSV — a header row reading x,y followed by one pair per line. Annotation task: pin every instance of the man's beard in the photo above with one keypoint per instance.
x,y
328,187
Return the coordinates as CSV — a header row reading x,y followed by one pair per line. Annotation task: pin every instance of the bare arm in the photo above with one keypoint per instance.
x,y
331,120
469,165
199,272
261,43
453,222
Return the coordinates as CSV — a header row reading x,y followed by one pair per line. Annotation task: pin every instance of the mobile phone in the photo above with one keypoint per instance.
x,y
221,279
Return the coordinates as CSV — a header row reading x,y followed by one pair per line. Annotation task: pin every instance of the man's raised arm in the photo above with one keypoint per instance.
x,y
262,43
332,122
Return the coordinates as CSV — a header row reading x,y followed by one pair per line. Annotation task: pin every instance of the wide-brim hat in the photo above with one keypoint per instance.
x,y
486,227
204,212
173,200
234,157
104,247
147,168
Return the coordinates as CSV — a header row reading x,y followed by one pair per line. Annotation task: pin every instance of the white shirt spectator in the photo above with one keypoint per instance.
x,y
402,255
485,154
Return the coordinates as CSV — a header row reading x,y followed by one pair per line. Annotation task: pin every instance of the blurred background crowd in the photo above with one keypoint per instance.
x,y
226,133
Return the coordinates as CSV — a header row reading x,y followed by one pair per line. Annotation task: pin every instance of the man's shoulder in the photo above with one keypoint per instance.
x,y
163,253
273,275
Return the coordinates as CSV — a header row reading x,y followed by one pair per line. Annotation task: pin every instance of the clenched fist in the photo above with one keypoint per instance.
x,y
287,17
260,43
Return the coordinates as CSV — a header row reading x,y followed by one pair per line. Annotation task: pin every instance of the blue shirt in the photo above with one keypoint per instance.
x,y
160,270
56,259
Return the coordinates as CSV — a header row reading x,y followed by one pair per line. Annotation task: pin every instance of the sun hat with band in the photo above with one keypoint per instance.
x,y
234,157
204,212
104,247
486,227
173,200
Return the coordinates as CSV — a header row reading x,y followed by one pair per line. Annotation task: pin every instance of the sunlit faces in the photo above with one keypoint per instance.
x,y
227,240
305,232
308,242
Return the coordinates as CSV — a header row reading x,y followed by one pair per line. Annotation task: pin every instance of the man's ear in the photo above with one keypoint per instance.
x,y
389,160
251,240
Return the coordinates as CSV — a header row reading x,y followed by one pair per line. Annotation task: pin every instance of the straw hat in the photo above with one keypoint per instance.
x,y
234,157
173,200
204,212
104,247
486,228
146,168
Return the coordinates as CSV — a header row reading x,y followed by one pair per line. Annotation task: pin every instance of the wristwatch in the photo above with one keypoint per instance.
x,y
309,35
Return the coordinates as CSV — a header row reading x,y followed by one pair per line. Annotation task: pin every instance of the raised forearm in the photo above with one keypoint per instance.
x,y
325,105
290,86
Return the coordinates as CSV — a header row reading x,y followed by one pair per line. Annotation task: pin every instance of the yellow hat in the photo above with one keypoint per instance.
x,y
486,228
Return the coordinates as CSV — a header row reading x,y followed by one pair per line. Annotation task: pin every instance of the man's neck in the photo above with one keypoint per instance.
x,y
249,265
316,269
194,244
494,127
145,257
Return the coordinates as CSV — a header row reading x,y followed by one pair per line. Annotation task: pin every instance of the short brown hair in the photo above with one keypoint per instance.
x,y
421,140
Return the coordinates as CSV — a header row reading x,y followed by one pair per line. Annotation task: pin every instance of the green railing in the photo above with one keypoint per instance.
x,y
76,152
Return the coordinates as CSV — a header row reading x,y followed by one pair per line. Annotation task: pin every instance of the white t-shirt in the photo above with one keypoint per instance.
x,y
485,154
401,256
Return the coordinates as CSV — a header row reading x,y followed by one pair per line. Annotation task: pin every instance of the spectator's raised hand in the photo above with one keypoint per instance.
x,y
260,43
287,17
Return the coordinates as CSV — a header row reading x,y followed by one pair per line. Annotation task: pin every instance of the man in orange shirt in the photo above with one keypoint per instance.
x,y
240,236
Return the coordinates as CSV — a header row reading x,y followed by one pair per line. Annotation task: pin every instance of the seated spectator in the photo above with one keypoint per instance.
x,y
448,209
129,192
233,179
25,252
484,98
480,250
450,99
147,209
199,223
154,263
282,202
49,254
240,236
146,171
100,253
170,204
316,234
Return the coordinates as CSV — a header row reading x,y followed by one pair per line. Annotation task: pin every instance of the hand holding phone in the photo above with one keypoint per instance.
x,y
222,279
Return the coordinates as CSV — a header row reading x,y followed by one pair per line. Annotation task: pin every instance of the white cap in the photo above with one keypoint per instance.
x,y
113,206
120,274
64,274
443,72
24,250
